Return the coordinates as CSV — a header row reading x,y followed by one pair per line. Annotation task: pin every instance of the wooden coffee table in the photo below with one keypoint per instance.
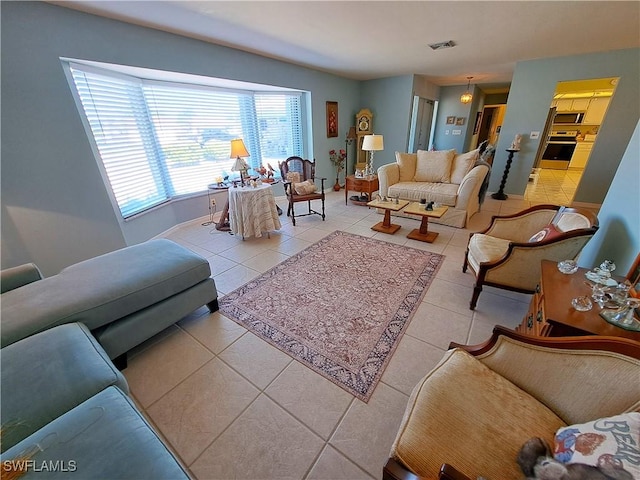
x,y
423,234
385,226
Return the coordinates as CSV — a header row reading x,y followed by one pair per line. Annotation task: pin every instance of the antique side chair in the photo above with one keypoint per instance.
x,y
295,171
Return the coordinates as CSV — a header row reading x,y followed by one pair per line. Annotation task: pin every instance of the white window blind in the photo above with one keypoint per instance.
x,y
159,140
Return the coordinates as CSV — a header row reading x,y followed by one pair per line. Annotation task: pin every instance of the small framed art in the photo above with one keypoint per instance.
x,y
332,119
451,120
460,120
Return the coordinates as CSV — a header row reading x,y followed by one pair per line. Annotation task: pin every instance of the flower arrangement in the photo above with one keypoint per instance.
x,y
338,157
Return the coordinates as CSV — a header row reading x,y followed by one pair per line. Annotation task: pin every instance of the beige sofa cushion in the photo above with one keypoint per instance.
x,y
407,165
434,166
462,164
465,414
445,193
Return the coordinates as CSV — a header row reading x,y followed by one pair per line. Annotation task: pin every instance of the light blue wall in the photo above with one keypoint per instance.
x,y
56,209
55,206
618,238
390,101
450,106
530,96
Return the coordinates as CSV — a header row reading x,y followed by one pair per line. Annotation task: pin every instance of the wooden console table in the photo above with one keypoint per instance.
x,y
362,185
552,315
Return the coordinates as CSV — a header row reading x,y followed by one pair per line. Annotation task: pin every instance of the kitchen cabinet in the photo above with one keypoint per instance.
x,y
572,105
596,111
581,155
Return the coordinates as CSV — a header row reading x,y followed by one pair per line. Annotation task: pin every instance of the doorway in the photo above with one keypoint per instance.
x,y
491,123
582,103
421,130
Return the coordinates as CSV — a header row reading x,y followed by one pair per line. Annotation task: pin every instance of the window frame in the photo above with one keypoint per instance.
x,y
146,77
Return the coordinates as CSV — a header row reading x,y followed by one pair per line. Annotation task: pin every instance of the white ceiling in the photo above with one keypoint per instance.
x,y
375,39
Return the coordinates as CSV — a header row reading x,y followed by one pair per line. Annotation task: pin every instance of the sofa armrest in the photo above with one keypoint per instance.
x,y
470,187
388,175
12,278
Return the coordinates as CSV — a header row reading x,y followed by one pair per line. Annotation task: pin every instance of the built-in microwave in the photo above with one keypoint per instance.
x,y
568,117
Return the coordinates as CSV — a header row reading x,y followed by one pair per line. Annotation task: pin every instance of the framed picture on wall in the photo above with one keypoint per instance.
x,y
460,120
332,119
451,120
476,128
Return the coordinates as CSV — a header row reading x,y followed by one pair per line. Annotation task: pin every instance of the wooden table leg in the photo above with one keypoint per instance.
x,y
385,226
223,224
423,234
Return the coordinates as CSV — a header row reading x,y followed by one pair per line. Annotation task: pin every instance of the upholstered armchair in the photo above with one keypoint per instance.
x,y
508,253
298,177
470,415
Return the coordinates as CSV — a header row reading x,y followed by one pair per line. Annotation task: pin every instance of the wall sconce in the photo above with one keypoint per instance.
x,y
466,97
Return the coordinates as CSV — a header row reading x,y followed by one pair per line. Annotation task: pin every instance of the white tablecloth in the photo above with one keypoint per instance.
x,y
252,210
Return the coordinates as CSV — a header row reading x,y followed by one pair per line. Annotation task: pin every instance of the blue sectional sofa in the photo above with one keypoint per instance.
x,y
65,410
66,414
124,297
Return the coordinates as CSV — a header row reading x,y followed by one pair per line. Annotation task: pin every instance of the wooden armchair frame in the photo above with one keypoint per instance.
x,y
517,250
395,470
307,171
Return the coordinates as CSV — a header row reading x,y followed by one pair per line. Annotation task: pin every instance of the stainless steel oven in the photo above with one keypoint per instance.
x,y
559,150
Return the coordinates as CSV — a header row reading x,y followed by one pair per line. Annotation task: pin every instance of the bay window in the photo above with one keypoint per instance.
x,y
158,140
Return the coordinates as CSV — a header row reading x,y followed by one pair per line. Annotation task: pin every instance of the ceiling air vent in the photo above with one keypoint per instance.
x,y
441,45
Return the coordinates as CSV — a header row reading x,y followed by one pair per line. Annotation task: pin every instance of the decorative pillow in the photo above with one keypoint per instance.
x,y
434,166
407,165
305,188
462,164
547,233
293,177
611,441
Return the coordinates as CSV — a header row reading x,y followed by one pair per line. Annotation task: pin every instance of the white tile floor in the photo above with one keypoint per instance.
x,y
232,406
554,186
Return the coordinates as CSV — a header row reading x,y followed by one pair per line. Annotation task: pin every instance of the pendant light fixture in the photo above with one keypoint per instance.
x,y
466,97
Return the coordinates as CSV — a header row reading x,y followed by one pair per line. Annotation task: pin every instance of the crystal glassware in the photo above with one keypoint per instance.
x,y
582,304
568,267
598,293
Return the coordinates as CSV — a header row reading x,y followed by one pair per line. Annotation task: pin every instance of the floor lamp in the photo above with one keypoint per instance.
x,y
351,136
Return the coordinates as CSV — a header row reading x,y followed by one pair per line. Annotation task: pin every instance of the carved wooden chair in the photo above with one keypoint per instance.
x,y
469,416
296,172
508,253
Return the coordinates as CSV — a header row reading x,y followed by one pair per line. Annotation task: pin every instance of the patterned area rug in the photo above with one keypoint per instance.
x,y
340,306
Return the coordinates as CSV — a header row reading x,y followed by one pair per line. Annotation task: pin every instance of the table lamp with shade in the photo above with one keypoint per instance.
x,y
238,150
372,143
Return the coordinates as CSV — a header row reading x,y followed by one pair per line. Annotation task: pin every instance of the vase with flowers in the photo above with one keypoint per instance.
x,y
337,157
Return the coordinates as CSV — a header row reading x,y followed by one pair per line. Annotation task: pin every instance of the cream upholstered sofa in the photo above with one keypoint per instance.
x,y
441,176
471,414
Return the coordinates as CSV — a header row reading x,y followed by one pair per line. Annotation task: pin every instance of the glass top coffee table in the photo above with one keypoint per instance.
x,y
385,226
423,234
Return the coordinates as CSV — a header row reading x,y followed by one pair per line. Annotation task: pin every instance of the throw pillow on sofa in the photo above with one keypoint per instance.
x,y
434,166
406,165
608,441
462,164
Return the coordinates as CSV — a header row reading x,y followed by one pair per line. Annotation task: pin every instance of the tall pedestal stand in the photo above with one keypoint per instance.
x,y
500,195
